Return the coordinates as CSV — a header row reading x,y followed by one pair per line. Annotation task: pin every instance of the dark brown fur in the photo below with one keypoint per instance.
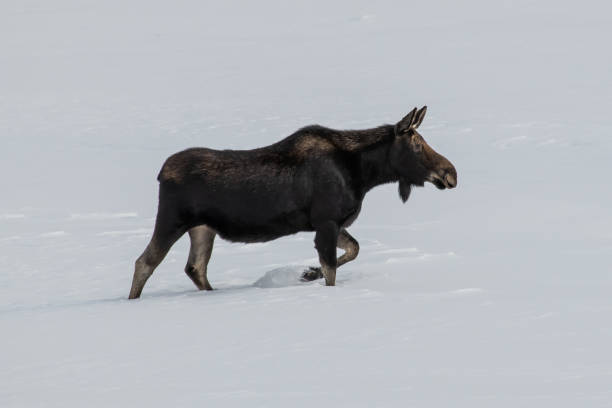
x,y
313,180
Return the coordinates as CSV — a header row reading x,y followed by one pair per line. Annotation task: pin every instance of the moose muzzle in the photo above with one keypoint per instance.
x,y
445,176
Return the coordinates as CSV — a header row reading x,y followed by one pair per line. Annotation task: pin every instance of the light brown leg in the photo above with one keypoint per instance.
x,y
326,241
165,234
328,272
146,264
350,246
202,240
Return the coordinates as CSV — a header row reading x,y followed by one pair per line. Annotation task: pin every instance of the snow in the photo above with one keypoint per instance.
x,y
496,293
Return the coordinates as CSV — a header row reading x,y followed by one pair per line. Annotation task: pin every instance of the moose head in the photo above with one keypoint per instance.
x,y
414,161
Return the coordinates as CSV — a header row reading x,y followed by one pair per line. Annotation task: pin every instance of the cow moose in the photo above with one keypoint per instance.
x,y
313,180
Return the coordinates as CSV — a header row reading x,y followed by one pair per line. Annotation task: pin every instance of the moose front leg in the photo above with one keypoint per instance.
x,y
348,244
326,239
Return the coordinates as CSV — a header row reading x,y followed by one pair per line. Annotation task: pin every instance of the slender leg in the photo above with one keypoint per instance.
x,y
350,246
147,262
202,240
345,242
326,239
166,233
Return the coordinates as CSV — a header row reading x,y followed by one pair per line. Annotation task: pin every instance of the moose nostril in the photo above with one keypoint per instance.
x,y
450,180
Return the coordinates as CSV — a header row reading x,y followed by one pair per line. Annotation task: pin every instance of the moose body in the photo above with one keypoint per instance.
x,y
314,180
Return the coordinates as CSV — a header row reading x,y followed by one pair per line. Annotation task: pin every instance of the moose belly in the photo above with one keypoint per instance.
x,y
259,229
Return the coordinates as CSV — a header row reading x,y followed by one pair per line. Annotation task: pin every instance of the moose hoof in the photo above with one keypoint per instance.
x,y
312,273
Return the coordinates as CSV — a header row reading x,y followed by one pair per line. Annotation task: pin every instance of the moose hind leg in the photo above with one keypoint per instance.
x,y
147,262
202,240
166,233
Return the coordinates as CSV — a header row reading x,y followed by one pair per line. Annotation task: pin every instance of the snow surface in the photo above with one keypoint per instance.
x,y
495,294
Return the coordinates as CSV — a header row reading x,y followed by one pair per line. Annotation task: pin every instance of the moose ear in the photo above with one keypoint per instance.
x,y
419,117
405,124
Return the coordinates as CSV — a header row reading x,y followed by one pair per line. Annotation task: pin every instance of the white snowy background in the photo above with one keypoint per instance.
x,y
495,294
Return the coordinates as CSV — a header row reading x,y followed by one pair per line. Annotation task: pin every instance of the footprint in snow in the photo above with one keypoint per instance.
x,y
281,277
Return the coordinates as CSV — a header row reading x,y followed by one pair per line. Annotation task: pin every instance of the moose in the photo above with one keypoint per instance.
x,y
313,180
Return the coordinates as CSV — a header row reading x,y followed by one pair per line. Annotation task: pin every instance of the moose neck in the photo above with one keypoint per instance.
x,y
375,166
